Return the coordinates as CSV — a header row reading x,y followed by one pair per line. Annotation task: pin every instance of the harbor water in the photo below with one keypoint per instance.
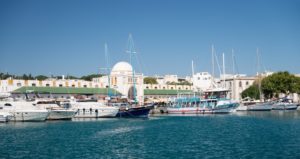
x,y
274,134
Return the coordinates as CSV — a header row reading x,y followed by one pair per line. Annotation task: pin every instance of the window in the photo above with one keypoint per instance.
x,y
247,83
73,85
171,87
19,84
240,84
33,84
179,88
147,87
84,86
199,78
155,87
60,85
7,104
47,85
164,87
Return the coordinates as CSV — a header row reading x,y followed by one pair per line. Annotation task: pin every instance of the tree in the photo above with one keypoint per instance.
x,y
252,92
150,80
41,77
90,77
280,82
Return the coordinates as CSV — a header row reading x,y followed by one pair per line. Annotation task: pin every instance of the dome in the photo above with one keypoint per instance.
x,y
121,67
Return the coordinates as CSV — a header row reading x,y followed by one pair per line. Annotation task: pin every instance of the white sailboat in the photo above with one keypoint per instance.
x,y
260,106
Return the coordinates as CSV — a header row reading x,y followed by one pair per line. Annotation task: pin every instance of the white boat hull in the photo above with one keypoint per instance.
x,y
5,117
63,114
260,107
33,115
285,106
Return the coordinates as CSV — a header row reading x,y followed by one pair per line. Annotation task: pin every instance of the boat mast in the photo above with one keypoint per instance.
x,y
107,69
259,75
131,52
224,85
212,60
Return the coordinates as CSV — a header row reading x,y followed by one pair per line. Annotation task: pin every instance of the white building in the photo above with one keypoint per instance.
x,y
202,81
121,79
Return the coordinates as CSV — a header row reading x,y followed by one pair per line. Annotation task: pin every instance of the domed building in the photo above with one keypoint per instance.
x,y
121,79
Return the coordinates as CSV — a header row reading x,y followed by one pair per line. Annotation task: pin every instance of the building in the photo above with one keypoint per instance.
x,y
121,79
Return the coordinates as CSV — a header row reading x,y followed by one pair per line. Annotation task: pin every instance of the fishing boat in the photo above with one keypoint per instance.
x,y
285,104
196,105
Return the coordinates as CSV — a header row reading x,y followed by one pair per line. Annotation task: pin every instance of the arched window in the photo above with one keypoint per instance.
x,y
247,83
240,84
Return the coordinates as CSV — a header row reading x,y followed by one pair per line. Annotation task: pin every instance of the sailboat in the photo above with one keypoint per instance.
x,y
260,106
94,109
133,109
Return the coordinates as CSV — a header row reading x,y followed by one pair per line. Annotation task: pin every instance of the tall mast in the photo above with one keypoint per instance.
x,y
107,68
233,66
131,51
212,60
259,74
224,85
193,69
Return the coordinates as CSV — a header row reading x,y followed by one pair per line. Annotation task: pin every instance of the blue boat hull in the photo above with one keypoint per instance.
x,y
141,112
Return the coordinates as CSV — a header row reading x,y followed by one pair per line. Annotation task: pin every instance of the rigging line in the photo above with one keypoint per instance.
x,y
218,64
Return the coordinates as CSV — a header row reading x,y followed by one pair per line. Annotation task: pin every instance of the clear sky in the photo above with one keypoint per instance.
x,y
67,36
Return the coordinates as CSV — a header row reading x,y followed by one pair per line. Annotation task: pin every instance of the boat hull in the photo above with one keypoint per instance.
x,y
140,112
260,107
103,112
30,115
285,107
5,117
61,114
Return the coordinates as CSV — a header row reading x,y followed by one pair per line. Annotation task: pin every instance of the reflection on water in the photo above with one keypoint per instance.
x,y
273,134
274,114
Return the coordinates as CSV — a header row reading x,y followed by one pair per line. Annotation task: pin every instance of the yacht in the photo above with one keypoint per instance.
x,y
24,111
93,109
58,109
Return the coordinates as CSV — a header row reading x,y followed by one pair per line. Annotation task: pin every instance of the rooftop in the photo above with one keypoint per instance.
x,y
66,90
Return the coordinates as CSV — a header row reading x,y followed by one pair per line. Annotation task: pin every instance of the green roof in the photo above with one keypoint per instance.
x,y
66,90
165,91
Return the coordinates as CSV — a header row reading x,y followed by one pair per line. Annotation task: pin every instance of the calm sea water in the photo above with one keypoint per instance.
x,y
244,135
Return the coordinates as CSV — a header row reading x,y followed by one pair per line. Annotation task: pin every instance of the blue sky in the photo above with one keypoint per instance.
x,y
67,36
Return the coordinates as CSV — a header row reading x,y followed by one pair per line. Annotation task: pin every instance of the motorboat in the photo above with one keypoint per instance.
x,y
93,109
58,109
24,111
